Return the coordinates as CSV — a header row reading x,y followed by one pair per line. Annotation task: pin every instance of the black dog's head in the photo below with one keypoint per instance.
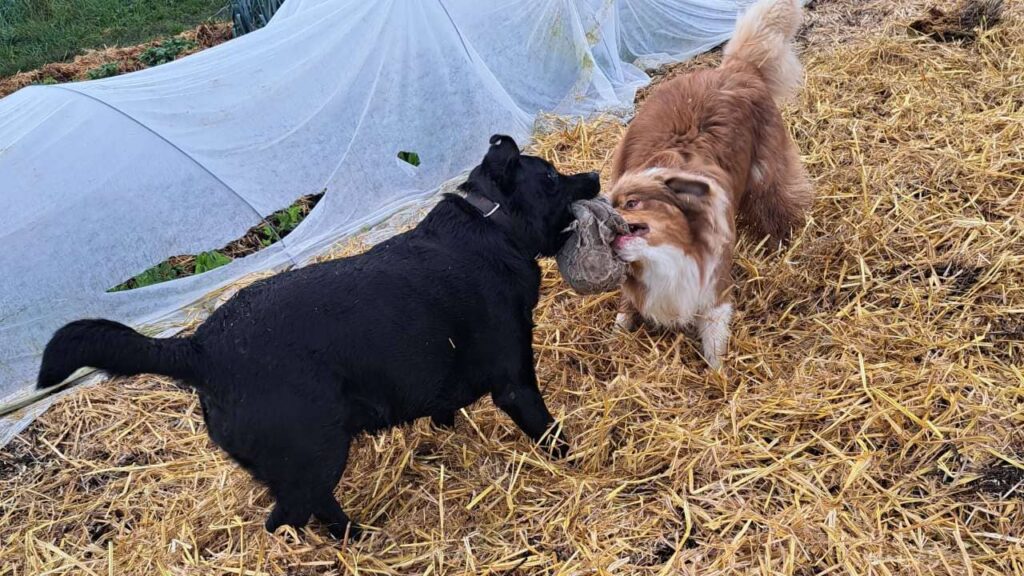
x,y
536,196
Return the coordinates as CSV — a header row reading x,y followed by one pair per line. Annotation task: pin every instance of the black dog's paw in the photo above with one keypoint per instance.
x,y
271,525
351,530
555,443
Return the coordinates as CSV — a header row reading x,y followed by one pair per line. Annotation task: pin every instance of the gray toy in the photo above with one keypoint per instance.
x,y
586,260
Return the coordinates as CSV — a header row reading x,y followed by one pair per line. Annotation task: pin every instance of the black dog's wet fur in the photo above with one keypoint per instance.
x,y
294,366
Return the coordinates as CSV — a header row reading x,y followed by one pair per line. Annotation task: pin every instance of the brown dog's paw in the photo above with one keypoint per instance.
x,y
627,322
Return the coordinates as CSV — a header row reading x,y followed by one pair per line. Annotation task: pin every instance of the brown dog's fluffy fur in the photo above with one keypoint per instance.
x,y
707,149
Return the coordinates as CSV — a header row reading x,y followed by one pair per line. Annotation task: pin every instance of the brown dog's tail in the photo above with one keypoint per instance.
x,y
764,39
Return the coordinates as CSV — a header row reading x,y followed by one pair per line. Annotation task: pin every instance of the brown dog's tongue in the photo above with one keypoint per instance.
x,y
617,242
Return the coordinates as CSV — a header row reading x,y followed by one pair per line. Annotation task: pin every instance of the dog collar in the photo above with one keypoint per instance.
x,y
489,209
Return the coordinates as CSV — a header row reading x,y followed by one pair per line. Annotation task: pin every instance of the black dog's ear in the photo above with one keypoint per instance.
x,y
501,158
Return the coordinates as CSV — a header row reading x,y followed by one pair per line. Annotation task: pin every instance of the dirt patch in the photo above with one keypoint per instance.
x,y
1001,480
963,22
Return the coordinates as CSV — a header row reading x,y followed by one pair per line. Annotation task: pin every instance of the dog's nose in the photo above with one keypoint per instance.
x,y
583,186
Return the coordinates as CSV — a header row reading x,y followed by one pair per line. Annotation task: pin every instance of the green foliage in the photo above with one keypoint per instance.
x,y
165,51
267,235
166,270
104,71
287,219
249,15
37,32
274,228
48,81
280,223
206,261
410,157
162,272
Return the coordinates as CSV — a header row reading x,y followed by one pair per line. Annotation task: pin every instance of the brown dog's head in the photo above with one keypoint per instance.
x,y
665,208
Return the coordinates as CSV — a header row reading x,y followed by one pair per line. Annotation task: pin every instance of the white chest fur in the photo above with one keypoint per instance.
x,y
676,291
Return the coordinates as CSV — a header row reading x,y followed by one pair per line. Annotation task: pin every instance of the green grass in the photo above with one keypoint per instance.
x,y
37,32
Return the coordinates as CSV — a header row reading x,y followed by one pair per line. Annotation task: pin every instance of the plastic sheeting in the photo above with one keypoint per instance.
x,y
101,180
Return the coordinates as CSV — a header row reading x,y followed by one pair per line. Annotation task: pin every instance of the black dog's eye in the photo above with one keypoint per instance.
x,y
552,175
632,204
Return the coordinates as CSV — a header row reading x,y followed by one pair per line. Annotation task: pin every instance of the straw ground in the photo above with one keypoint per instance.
x,y
868,420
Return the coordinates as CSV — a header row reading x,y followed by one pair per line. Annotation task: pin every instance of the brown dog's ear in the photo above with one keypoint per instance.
x,y
687,186
691,196
501,157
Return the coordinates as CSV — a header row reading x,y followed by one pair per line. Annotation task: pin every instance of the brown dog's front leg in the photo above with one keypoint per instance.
x,y
628,318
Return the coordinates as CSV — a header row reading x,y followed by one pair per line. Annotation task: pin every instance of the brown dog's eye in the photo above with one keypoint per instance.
x,y
630,204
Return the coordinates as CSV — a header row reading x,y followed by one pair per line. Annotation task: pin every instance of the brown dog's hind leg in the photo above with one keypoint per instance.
x,y
778,193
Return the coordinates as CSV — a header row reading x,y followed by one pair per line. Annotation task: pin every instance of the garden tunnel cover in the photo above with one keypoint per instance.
x,y
102,179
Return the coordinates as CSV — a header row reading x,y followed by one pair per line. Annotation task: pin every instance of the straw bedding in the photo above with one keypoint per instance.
x,y
868,419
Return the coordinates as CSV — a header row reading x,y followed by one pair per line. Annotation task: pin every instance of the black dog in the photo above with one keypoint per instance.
x,y
294,366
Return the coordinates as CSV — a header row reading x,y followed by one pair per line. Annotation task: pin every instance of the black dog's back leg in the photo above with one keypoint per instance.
x,y
303,452
330,513
288,511
519,397
326,507
307,488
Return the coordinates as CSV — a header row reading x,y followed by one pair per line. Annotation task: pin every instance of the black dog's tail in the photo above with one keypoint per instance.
x,y
117,349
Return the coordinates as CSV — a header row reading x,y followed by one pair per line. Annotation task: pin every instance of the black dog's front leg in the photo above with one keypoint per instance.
x,y
444,419
520,398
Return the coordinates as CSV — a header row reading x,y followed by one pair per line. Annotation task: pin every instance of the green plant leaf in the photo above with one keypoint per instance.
x,y
410,157
166,51
288,219
206,261
104,71
162,272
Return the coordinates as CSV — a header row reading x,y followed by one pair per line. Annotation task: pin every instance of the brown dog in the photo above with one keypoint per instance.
x,y
706,148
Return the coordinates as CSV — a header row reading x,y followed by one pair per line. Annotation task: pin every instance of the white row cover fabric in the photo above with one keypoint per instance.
x,y
101,180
